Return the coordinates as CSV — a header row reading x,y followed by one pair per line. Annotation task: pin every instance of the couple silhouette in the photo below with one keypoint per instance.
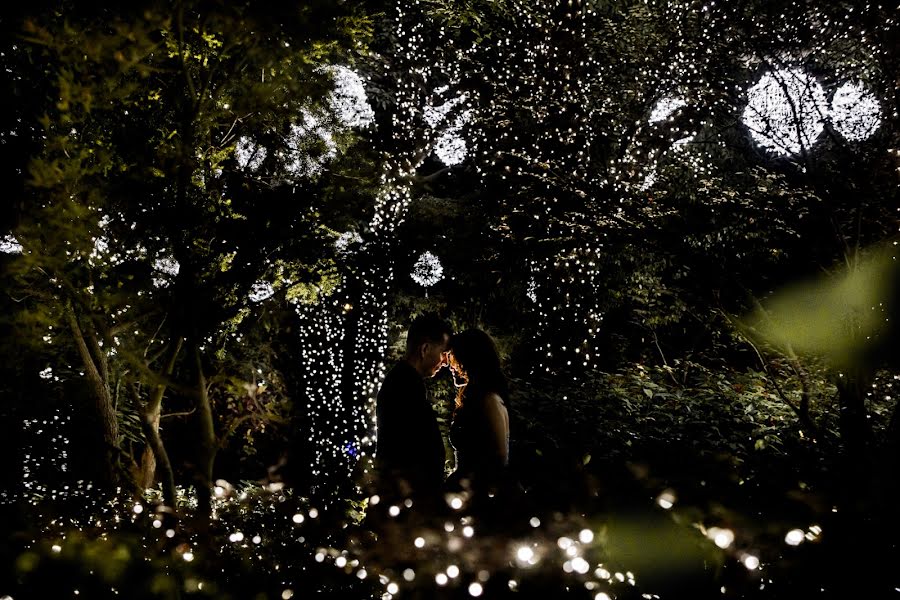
x,y
410,455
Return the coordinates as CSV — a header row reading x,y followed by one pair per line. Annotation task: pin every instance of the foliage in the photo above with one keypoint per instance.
x,y
141,221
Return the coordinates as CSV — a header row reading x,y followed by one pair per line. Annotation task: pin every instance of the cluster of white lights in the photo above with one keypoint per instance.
x,y
248,154
450,147
46,458
10,245
348,100
665,108
321,333
787,111
855,112
573,296
261,290
311,145
340,414
346,241
164,270
427,270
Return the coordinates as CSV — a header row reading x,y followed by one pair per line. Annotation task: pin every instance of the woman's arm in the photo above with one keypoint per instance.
x,y
498,424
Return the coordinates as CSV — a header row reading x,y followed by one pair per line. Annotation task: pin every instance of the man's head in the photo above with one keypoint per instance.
x,y
426,344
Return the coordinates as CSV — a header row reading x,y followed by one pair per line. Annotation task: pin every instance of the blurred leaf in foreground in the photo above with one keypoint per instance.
x,y
843,316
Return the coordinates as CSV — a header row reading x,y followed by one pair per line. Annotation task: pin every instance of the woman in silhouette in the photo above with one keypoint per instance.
x,y
479,433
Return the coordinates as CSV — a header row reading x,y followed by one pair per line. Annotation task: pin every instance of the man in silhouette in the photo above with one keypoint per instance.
x,y
410,451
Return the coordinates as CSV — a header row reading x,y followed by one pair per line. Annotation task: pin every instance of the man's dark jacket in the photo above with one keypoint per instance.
x,y
410,448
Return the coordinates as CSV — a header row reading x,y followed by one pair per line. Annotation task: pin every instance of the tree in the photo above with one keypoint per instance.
x,y
187,166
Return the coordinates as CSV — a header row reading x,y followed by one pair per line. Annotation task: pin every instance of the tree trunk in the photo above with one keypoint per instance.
x,y
206,444
104,410
891,474
155,456
856,435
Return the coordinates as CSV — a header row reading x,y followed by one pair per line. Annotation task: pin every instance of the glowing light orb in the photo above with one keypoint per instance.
x,y
310,146
721,537
475,589
450,147
580,566
785,111
666,500
524,554
794,537
855,112
427,270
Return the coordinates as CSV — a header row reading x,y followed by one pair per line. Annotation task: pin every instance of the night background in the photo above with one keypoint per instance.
x,y
677,219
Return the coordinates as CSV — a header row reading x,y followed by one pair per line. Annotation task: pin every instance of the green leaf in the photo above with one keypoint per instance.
x,y
835,316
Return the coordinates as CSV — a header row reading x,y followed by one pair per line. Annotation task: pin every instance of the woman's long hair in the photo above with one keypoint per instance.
x,y
477,354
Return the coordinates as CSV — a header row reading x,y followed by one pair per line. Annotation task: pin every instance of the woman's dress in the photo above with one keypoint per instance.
x,y
480,468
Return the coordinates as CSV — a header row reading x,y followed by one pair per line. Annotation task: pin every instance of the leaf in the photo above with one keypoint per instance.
x,y
586,459
834,316
648,392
